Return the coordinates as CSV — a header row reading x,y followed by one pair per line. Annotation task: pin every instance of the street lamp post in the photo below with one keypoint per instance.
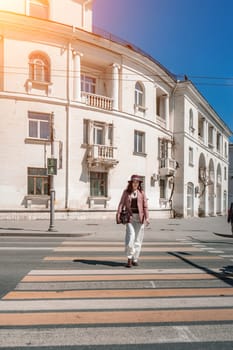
x,y
52,170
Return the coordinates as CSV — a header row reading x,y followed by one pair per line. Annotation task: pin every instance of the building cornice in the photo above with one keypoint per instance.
x,y
38,27
187,87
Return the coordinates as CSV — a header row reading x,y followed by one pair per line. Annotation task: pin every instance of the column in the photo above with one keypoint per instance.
x,y
206,201
206,132
115,86
77,75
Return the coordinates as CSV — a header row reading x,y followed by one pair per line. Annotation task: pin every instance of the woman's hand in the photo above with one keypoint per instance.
x,y
147,222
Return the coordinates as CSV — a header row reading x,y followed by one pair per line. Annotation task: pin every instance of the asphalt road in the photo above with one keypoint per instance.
x,y
73,292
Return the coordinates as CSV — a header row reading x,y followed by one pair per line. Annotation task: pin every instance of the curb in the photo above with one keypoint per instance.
x,y
41,234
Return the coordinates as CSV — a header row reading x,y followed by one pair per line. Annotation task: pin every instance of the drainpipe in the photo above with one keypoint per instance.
x,y
68,68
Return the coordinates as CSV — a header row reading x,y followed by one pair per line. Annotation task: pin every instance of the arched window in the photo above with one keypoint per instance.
x,y
39,67
139,97
38,8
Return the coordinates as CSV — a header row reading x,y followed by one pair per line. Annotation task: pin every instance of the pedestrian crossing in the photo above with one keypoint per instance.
x,y
166,300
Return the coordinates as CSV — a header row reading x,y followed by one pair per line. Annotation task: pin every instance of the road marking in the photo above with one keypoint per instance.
x,y
26,248
207,248
153,284
115,304
119,249
133,277
185,333
121,244
114,317
216,251
120,271
122,258
121,293
82,297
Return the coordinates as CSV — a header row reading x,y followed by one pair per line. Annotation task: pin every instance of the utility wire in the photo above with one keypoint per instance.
x,y
61,73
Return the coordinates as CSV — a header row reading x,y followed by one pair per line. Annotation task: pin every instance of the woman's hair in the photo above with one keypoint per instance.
x,y
129,188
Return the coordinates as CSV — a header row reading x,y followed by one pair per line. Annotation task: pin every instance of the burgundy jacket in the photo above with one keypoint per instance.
x,y
141,202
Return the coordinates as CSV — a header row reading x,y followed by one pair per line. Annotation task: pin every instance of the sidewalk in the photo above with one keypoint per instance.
x,y
159,229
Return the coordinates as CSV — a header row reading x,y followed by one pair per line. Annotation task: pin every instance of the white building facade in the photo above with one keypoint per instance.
x,y
230,196
116,112
201,148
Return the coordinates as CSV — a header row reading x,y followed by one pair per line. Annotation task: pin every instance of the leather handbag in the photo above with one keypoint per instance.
x,y
124,216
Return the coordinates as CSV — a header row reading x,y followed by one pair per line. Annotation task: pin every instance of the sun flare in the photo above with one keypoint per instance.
x,y
10,5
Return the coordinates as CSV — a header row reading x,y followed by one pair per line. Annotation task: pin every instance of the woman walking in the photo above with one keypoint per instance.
x,y
134,201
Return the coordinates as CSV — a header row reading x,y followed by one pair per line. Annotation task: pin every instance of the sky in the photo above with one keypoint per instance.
x,y
188,37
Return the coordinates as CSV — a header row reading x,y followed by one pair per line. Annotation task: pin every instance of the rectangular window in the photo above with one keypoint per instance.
x,y
85,131
210,135
98,135
102,134
218,142
163,149
39,125
98,184
225,150
110,134
162,189
201,122
38,181
191,156
139,142
88,84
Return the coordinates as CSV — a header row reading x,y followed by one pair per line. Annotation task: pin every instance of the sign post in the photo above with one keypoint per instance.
x,y
52,170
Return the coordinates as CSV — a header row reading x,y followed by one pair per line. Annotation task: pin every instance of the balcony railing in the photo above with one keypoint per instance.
x,y
167,166
161,121
101,154
97,101
201,138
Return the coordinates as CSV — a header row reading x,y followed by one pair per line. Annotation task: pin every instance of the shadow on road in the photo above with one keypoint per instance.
x,y
99,262
214,242
223,235
225,275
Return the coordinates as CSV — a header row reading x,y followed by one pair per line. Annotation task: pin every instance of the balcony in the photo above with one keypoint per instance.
x,y
167,167
210,144
161,122
101,155
97,101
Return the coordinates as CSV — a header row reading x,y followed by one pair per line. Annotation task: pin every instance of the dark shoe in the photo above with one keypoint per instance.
x,y
129,263
135,263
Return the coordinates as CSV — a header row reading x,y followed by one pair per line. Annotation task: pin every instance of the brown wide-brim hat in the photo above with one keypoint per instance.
x,y
135,178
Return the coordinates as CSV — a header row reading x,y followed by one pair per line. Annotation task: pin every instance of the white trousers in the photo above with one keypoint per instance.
x,y
134,237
